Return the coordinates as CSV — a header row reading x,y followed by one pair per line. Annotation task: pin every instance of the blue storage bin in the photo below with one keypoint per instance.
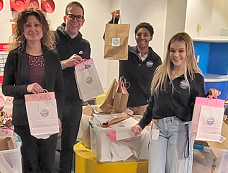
x,y
220,82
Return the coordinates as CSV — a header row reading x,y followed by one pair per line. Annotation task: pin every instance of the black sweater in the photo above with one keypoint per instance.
x,y
66,47
175,101
138,75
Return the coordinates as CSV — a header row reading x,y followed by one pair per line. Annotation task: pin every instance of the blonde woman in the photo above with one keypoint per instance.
x,y
176,84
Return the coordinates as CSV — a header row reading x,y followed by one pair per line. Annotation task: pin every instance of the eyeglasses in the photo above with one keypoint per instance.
x,y
79,18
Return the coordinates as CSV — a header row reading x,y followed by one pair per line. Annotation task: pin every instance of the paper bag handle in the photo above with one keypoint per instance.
x,y
124,82
212,98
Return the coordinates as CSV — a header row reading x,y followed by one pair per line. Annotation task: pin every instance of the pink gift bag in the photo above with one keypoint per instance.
x,y
207,119
42,114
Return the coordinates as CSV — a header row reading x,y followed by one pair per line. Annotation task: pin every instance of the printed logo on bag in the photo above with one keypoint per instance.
x,y
87,66
44,112
149,63
89,80
184,84
210,121
115,41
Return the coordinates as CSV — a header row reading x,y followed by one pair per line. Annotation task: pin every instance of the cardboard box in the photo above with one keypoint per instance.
x,y
216,158
224,144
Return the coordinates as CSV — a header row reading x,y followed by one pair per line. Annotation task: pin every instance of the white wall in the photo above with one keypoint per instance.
x,y
155,13
166,16
219,17
175,20
198,12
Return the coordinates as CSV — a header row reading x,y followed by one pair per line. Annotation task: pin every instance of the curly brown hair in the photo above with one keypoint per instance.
x,y
18,36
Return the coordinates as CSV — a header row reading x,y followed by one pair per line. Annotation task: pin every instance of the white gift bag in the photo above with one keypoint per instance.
x,y
42,114
88,81
10,160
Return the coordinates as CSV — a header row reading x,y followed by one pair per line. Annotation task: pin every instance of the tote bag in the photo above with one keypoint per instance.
x,y
42,114
88,81
207,119
116,41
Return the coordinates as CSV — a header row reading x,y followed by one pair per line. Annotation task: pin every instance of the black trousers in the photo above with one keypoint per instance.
x,y
70,126
38,155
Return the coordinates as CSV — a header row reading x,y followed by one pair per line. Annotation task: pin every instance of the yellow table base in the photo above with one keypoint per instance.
x,y
86,162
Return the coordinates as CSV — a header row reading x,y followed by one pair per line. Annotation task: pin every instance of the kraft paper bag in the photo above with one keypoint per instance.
x,y
207,119
109,98
42,114
88,81
120,98
116,41
116,98
6,144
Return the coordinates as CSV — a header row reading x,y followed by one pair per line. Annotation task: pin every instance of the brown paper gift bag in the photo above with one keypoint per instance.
x,y
116,98
120,98
6,144
116,41
109,97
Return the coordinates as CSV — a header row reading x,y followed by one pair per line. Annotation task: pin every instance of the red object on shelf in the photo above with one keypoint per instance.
x,y
1,5
48,6
4,46
26,3
17,5
34,3
1,79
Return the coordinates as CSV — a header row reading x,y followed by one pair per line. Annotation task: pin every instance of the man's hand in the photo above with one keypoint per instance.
x,y
72,61
115,13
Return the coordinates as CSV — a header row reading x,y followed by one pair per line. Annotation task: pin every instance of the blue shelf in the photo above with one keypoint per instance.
x,y
212,57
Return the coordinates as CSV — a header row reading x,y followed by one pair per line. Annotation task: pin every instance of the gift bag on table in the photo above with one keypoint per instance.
x,y
88,81
106,106
116,41
120,98
116,98
207,119
42,114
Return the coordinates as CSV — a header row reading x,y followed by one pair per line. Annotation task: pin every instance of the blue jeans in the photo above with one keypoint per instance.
x,y
172,152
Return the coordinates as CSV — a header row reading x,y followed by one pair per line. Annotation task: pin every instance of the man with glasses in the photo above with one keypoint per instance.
x,y
72,49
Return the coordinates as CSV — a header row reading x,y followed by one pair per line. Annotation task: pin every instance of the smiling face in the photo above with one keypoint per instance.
x,y
33,29
143,38
177,53
73,25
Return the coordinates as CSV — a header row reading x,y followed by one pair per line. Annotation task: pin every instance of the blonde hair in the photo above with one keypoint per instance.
x,y
18,36
164,70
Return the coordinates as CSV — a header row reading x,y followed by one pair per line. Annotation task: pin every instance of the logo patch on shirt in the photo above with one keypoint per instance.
x,y
184,84
80,52
210,121
149,63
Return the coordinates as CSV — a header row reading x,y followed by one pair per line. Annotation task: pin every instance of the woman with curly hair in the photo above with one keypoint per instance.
x,y
32,66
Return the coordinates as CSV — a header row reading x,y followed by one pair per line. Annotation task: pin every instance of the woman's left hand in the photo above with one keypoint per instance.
x,y
214,93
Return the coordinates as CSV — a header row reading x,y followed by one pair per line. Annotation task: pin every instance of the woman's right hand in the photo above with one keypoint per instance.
x,y
136,129
34,88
